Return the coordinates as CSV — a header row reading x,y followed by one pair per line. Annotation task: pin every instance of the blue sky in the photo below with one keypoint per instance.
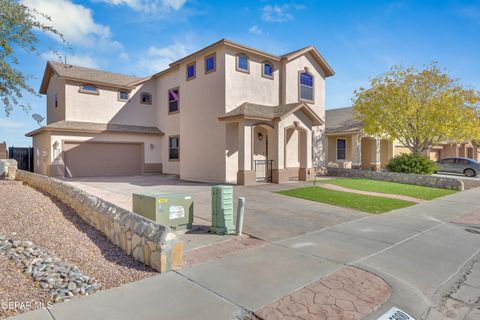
x,y
360,39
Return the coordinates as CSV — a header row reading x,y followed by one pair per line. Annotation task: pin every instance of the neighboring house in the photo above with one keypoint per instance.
x,y
3,150
226,113
347,146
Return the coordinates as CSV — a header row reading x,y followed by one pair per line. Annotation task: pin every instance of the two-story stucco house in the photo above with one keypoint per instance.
x,y
226,113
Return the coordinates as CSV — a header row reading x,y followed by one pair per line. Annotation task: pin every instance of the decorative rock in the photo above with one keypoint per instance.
x,y
62,279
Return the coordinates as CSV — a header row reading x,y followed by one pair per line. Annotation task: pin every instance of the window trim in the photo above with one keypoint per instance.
x,y
336,149
120,98
214,55
178,101
178,147
194,64
146,93
313,86
237,60
263,69
81,90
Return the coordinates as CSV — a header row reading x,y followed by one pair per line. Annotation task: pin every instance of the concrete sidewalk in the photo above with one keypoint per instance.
x,y
416,250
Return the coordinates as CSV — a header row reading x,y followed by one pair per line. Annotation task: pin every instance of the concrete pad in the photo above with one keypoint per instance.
x,y
335,246
40,314
257,277
442,209
429,260
467,294
167,296
386,233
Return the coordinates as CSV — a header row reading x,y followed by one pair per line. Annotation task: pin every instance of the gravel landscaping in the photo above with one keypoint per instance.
x,y
29,215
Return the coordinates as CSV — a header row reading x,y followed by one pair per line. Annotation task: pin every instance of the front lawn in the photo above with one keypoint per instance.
x,y
371,204
418,192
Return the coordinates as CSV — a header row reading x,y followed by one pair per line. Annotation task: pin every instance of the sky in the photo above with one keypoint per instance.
x,y
359,39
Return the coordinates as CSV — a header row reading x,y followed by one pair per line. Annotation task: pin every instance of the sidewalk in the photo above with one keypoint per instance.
x,y
415,250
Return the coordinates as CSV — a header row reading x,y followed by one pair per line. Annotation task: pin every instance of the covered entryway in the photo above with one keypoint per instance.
x,y
89,159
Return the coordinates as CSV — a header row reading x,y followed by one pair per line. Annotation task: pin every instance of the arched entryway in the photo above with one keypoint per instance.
x,y
262,152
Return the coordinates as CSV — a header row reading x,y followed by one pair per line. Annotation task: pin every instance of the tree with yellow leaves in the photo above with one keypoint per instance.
x,y
418,108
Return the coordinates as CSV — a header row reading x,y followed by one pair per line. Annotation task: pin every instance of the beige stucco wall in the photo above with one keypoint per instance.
x,y
332,148
202,135
251,87
55,86
168,123
106,108
41,152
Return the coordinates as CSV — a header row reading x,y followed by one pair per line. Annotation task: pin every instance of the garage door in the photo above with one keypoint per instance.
x,y
89,159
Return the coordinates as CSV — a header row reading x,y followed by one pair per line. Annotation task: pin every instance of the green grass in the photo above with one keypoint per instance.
x,y
371,204
419,192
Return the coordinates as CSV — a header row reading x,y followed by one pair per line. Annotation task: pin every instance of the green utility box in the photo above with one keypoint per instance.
x,y
169,209
222,210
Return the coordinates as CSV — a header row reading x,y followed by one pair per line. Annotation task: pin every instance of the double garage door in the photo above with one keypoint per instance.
x,y
89,159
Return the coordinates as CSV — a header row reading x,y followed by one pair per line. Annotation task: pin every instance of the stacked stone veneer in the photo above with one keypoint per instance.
x,y
417,179
153,244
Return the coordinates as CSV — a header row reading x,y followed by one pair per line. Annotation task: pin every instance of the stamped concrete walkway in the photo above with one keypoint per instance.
x,y
370,193
417,251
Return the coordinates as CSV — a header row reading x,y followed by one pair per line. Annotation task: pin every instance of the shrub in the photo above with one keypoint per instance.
x,y
412,163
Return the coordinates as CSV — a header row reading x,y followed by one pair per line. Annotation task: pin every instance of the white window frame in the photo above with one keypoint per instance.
x,y
300,85
120,95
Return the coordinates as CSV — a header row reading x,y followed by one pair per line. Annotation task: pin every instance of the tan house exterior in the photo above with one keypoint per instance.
x,y
347,146
226,113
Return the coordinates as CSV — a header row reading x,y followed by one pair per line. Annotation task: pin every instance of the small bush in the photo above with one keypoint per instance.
x,y
412,163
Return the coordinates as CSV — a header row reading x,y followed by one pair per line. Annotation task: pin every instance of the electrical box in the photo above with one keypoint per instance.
x,y
169,209
222,210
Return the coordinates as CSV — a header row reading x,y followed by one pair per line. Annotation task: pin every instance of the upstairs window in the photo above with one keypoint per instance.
x,y
145,98
267,70
306,87
88,88
191,71
210,63
123,95
173,148
341,149
243,64
173,100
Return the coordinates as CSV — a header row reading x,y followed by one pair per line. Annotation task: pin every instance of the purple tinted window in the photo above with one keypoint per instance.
x,y
243,62
173,98
210,63
267,69
306,80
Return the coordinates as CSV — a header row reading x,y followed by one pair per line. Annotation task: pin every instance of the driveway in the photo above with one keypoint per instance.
x,y
268,216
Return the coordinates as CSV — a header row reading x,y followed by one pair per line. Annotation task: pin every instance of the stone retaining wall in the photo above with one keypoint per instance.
x,y
153,244
421,180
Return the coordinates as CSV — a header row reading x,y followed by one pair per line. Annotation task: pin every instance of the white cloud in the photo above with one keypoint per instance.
x,y
276,13
148,5
83,60
255,30
10,124
158,59
74,21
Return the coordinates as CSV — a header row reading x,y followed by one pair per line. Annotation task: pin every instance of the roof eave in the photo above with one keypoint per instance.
x,y
42,129
329,72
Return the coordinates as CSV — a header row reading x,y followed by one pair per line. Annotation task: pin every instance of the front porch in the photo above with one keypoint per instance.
x,y
270,148
356,151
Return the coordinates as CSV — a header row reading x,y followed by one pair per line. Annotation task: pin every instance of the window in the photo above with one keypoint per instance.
x,y
173,98
173,148
341,149
243,63
191,71
145,98
306,87
210,63
56,100
267,70
88,88
123,95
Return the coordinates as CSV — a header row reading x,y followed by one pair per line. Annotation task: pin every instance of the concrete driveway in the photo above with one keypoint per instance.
x,y
268,216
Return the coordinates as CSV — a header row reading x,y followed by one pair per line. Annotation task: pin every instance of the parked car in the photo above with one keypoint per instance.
x,y
466,166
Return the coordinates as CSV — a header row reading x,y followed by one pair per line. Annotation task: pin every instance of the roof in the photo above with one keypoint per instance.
x,y
265,112
341,121
93,127
88,75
